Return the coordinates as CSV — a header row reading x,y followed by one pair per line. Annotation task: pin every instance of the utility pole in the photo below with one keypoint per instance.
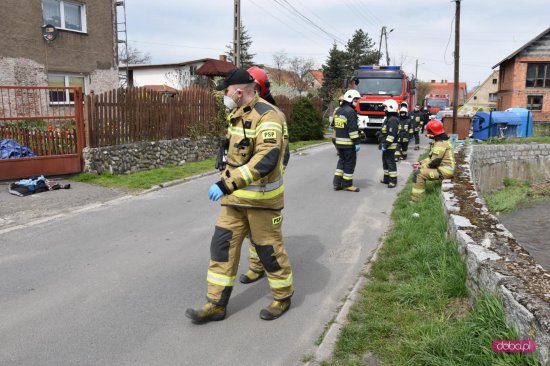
x,y
237,33
457,58
416,70
384,33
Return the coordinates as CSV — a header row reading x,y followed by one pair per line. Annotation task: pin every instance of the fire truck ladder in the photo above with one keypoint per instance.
x,y
122,41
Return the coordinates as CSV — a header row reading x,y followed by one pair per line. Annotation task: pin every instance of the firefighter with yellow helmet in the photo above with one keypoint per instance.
x,y
252,197
347,142
440,163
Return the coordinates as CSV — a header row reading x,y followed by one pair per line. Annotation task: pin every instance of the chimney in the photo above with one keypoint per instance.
x,y
223,58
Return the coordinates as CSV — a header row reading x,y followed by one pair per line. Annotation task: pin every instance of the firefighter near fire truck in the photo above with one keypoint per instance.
x,y
440,163
252,197
416,124
347,142
404,133
387,138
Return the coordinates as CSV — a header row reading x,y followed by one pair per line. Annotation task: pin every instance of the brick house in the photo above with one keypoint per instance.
x,y
525,78
84,52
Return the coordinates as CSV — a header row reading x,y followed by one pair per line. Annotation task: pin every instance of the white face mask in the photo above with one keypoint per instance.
x,y
229,102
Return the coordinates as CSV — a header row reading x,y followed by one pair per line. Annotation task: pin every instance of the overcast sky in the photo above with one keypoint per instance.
x,y
182,30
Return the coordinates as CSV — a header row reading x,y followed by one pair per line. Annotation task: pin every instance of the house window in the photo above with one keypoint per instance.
x,y
492,97
475,97
64,96
65,14
538,76
534,102
494,81
192,70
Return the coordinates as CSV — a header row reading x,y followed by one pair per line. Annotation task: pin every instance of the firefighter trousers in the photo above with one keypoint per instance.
x,y
347,158
420,178
389,166
416,135
264,227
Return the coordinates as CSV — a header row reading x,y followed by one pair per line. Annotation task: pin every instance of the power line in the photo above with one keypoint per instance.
x,y
285,23
291,8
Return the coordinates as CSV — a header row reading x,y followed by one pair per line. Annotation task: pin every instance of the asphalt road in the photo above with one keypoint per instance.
x,y
109,285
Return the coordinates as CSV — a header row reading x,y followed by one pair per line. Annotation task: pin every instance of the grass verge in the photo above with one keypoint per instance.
x,y
515,194
414,309
146,179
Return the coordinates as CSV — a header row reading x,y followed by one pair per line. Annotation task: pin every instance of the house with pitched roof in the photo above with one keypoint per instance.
x,y
524,79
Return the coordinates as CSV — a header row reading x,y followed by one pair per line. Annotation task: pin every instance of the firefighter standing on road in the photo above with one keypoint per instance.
x,y
405,131
251,191
347,142
416,116
387,137
424,118
440,163
255,269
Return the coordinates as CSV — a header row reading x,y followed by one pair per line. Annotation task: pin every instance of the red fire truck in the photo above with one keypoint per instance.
x,y
377,84
436,102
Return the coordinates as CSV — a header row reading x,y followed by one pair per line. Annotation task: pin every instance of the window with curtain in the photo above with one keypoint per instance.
x,y
65,14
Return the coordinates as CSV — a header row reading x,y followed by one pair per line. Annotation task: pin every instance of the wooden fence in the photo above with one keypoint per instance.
x,y
132,115
125,116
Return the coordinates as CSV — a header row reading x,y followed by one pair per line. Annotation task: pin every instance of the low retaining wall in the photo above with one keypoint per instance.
x,y
123,159
495,261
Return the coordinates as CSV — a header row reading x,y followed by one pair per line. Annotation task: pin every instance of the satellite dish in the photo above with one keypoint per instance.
x,y
49,32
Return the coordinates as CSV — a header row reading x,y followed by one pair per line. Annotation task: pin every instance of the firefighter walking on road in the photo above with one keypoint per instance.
x,y
347,142
255,269
387,138
440,163
415,124
252,197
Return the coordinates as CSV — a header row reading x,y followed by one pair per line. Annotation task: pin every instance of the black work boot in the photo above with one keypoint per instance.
x,y
275,309
338,187
207,313
250,276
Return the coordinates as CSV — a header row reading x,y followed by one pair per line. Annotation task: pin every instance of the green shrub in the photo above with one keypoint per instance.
x,y
306,123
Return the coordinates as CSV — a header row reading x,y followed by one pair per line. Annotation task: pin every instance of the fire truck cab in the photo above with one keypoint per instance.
x,y
436,102
377,84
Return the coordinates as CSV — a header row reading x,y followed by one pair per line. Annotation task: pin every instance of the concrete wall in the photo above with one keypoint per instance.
x,y
496,263
123,159
492,163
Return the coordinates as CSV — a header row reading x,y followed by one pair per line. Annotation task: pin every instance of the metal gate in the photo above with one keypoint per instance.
x,y
41,131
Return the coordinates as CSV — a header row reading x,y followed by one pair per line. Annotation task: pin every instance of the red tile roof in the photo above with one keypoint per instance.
x,y
215,68
160,88
317,75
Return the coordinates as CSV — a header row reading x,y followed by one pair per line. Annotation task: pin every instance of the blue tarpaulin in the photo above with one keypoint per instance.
x,y
495,124
10,149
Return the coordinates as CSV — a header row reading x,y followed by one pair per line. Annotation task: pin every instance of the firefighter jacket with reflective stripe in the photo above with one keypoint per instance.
x,y
258,139
405,129
389,132
441,157
416,120
346,133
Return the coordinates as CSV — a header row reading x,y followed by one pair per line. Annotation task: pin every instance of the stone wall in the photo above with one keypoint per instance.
x,y
495,262
490,164
123,159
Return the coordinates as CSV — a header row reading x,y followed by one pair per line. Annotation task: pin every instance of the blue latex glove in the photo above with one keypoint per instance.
x,y
214,193
382,148
357,148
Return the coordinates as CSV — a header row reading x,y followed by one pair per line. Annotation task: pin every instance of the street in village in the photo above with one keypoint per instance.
x,y
109,285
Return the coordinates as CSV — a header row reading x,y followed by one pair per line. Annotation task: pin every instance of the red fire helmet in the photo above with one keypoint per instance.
x,y
261,78
434,127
